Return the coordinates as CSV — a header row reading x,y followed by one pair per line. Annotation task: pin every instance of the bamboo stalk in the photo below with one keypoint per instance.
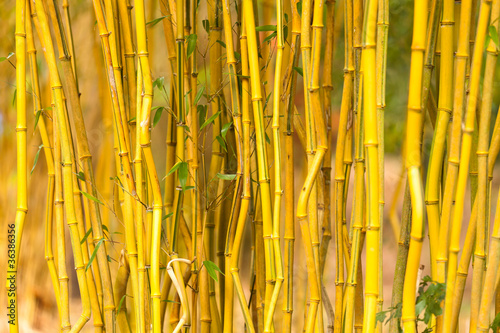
x,y
21,163
413,163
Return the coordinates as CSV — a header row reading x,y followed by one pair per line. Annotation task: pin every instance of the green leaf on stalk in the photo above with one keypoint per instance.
x,y
167,216
226,176
206,25
80,175
158,113
225,128
495,325
170,301
198,95
221,43
210,120
94,253
174,168
36,158
87,234
37,118
299,8
270,37
202,113
299,70
191,44
154,22
237,56
14,98
267,139
183,174
131,120
159,82
121,304
90,197
212,268
266,28
493,34
105,228
220,140
7,57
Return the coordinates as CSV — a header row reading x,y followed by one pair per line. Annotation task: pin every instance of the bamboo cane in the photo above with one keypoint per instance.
x,y
339,163
22,167
414,130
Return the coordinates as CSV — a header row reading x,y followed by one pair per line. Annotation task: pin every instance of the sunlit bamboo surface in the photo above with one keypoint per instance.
x,y
224,166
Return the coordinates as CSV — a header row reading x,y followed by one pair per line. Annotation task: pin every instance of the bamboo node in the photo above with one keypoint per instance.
x,y
20,34
129,55
482,153
445,110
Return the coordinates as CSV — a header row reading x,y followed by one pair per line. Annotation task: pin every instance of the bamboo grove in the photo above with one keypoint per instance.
x,y
185,219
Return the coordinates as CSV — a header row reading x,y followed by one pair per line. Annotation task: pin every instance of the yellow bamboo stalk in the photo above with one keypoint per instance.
x,y
265,190
491,279
485,18
67,161
339,162
22,166
289,96
462,56
414,133
42,129
371,143
445,104
64,319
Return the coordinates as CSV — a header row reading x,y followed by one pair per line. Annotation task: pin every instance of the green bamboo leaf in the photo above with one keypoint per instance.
x,y
174,168
183,174
120,304
299,8
220,140
210,120
492,31
7,57
267,139
270,37
36,158
191,40
225,128
37,118
87,234
159,82
105,228
226,176
206,25
299,70
94,253
170,301
266,28
495,325
212,268
221,43
198,95
90,197
158,113
80,175
154,22
202,113
167,216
